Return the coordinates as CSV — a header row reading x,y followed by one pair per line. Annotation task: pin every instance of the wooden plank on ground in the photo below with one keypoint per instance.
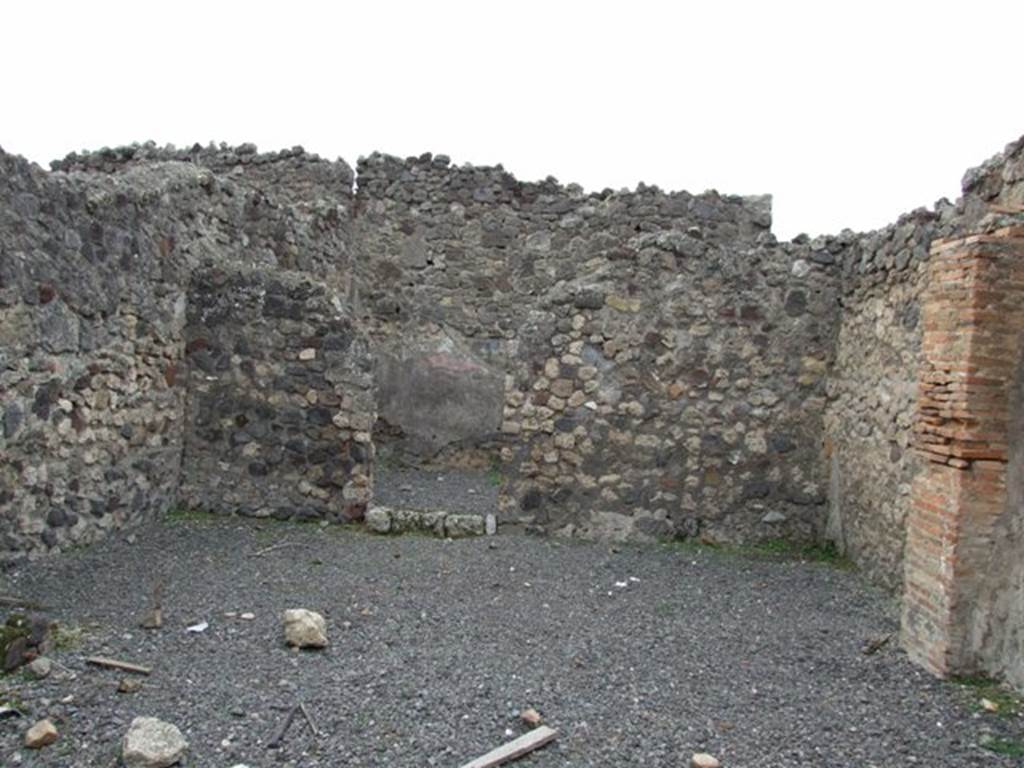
x,y
528,742
102,661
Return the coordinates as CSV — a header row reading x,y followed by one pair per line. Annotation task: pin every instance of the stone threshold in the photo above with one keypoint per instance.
x,y
452,525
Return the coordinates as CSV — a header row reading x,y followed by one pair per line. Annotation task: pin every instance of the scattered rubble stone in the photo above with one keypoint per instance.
x,y
129,685
531,716
704,760
40,735
304,628
40,667
152,743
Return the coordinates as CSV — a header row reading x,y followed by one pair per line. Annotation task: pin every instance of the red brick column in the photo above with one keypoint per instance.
x,y
973,323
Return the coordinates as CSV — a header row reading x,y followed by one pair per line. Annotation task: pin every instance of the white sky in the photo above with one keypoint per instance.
x,y
849,113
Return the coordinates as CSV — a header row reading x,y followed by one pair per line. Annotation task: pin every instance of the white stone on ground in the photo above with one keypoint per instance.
x,y
152,743
304,629
704,760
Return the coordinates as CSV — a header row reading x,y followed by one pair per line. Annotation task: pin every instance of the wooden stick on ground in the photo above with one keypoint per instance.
x,y
278,739
309,719
271,548
528,742
154,618
102,661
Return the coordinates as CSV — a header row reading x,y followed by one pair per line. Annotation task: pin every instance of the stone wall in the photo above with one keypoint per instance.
x,y
280,401
91,318
873,392
663,358
96,264
873,385
640,363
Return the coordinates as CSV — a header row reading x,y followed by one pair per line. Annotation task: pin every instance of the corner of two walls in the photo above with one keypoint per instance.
x,y
873,386
111,269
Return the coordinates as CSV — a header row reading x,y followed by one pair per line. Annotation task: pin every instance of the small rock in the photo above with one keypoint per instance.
x,y
154,619
704,760
304,629
152,743
531,716
378,519
129,685
40,735
41,667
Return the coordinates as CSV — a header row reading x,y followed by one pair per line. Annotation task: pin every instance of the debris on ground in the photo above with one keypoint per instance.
x,y
304,628
278,739
124,666
22,638
516,748
154,618
152,743
531,716
129,685
40,667
876,644
704,760
40,735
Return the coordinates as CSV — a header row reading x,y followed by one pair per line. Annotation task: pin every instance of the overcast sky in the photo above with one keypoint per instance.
x,y
849,113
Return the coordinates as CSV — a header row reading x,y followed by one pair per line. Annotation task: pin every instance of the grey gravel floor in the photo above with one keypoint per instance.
x,y
453,490
639,656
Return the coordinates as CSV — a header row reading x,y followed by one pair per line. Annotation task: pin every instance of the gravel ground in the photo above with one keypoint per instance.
x,y
638,655
453,490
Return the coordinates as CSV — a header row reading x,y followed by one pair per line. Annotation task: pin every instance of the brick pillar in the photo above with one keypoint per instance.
x,y
973,324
